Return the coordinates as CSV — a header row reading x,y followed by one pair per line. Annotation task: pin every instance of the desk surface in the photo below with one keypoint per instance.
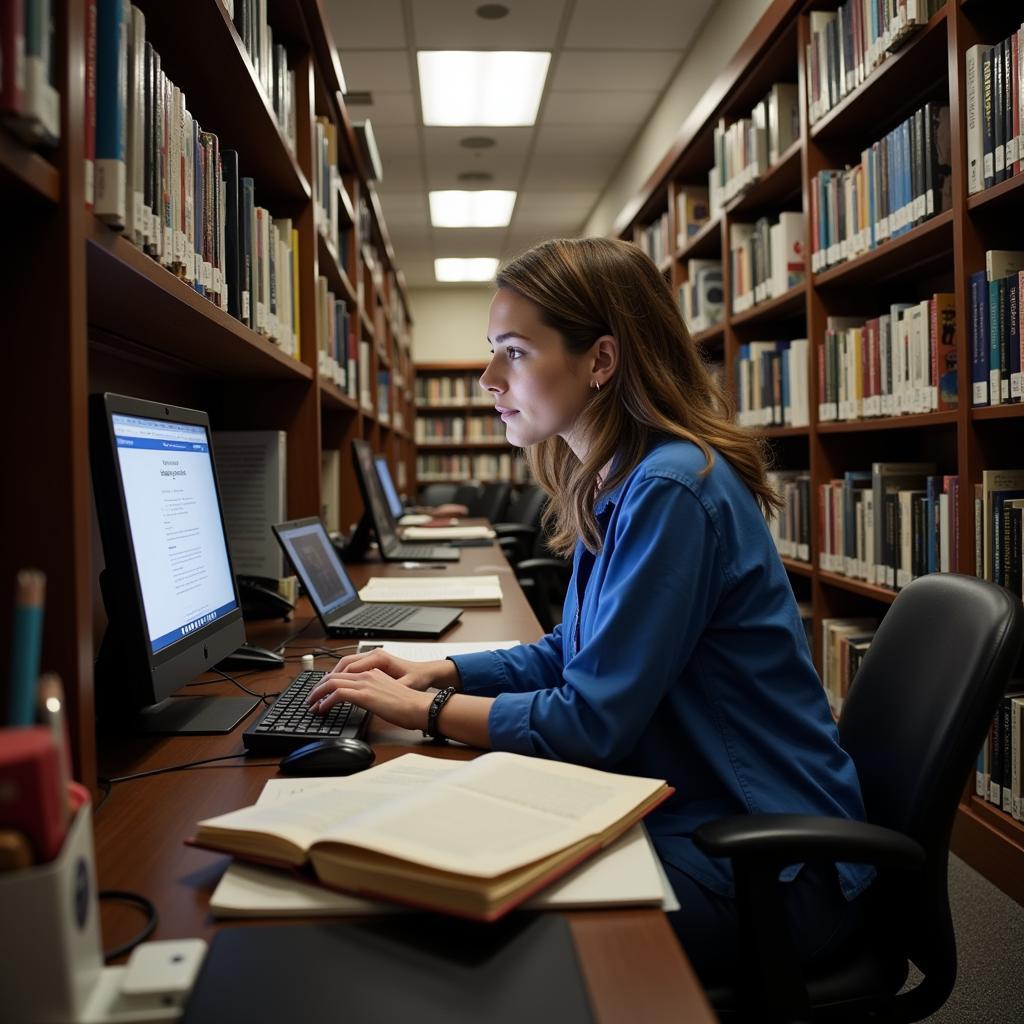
x,y
633,966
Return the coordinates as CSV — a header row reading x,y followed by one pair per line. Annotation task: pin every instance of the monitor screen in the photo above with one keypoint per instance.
x,y
373,494
177,533
384,475
168,584
317,563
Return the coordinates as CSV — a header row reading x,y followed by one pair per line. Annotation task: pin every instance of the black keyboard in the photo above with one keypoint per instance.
x,y
413,551
376,615
288,724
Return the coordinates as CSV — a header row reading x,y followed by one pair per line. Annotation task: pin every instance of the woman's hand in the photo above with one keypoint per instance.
x,y
417,675
378,692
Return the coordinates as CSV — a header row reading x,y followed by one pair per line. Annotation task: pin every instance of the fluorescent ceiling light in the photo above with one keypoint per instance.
x,y
479,268
471,87
486,208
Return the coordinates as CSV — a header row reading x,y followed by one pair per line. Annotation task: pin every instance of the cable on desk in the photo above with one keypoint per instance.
x,y
104,781
135,900
245,689
288,639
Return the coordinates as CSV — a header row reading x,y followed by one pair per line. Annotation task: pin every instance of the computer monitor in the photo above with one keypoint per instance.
x,y
172,603
390,492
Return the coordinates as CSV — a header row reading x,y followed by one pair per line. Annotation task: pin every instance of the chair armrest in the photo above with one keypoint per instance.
x,y
555,566
514,530
783,839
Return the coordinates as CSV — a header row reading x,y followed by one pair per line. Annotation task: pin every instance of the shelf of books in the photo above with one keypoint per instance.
x,y
843,223
193,225
458,436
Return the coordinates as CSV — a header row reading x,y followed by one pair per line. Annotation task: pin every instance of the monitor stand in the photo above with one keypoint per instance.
x,y
185,715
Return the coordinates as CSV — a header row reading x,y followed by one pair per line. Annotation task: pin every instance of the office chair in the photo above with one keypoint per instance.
x,y
913,722
544,580
438,494
469,494
518,533
492,504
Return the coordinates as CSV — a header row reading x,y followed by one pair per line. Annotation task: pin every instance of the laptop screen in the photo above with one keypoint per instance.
x,y
383,521
384,475
317,565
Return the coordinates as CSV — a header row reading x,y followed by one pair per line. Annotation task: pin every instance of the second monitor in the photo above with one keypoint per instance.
x,y
375,503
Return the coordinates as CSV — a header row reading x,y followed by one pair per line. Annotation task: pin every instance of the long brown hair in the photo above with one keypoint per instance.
x,y
585,288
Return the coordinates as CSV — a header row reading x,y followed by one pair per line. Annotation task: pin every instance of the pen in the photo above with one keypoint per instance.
x,y
422,565
26,638
51,714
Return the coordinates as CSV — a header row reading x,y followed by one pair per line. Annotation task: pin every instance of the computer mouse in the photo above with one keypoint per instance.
x,y
335,756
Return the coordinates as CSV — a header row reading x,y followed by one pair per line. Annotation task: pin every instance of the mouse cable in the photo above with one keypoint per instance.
x,y
135,900
288,639
108,782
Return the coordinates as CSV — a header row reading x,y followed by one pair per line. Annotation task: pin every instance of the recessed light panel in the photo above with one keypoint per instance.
x,y
479,268
474,87
481,208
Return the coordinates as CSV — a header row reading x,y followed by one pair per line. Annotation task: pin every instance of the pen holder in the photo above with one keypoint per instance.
x,y
50,958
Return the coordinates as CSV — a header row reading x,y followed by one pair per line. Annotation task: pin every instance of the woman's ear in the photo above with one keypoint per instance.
x,y
604,360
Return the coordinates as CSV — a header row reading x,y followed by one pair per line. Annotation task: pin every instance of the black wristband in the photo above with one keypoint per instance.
x,y
440,699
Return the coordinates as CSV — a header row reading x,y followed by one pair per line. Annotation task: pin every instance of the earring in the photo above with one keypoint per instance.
x,y
596,384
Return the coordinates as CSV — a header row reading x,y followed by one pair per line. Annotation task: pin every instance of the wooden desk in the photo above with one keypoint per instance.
x,y
633,966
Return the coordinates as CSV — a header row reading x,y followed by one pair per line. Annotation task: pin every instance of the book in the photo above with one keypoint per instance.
x,y
111,168
474,842
252,476
447,533
447,591
627,873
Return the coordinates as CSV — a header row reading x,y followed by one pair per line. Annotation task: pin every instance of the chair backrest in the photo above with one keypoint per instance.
x,y
528,504
469,494
914,720
438,494
493,502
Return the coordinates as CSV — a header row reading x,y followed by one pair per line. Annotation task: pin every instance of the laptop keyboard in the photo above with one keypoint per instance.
x,y
288,724
415,550
378,615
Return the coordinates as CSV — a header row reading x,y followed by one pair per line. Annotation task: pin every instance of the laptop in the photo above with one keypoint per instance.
x,y
390,491
334,596
392,549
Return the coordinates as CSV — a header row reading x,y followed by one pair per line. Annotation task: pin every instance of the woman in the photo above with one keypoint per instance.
x,y
681,654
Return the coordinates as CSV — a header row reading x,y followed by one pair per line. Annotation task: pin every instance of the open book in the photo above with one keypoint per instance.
x,y
474,841
452,591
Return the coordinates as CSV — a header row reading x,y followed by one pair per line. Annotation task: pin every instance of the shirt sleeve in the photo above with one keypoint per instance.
x,y
523,668
661,583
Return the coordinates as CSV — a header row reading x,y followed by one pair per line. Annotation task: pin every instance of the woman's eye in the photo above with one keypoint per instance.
x,y
514,353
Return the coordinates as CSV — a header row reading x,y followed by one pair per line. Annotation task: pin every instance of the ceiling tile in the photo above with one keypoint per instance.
x,y
557,210
468,241
402,173
446,159
584,171
455,25
397,108
603,108
376,70
404,210
613,70
637,25
360,26
394,140
584,139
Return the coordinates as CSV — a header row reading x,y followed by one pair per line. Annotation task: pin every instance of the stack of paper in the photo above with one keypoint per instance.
x,y
452,591
447,532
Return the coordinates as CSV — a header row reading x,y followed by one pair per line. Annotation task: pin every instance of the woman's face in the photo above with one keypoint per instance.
x,y
538,388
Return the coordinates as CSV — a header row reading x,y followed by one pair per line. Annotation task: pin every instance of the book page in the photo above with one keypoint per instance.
x,y
447,533
452,590
301,810
496,813
434,652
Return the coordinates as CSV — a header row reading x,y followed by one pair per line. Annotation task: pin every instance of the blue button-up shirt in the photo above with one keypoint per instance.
x,y
681,656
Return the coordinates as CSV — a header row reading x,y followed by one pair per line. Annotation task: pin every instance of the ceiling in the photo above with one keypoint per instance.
x,y
611,62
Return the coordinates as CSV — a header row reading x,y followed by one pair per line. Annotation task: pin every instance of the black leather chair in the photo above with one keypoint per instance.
x,y
493,501
469,494
914,720
438,494
518,534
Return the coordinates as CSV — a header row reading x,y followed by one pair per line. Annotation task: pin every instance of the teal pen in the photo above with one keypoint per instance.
x,y
26,642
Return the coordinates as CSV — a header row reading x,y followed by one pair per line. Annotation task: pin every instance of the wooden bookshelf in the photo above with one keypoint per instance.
x,y
937,255
85,311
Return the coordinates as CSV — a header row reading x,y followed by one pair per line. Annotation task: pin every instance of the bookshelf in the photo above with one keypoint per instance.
x,y
87,310
937,255
458,436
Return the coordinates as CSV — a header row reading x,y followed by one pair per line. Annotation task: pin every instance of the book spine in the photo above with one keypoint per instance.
x,y
987,118
111,112
974,117
89,127
995,389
